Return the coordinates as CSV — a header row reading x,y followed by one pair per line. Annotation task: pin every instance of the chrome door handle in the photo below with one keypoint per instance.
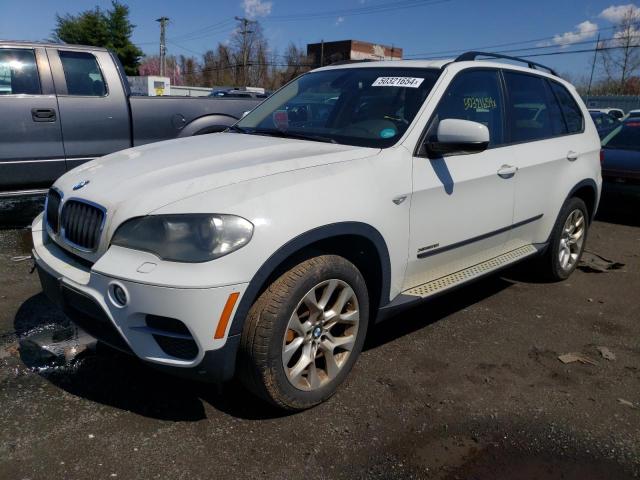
x,y
507,171
572,156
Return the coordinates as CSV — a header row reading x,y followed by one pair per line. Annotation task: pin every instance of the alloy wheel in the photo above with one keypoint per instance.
x,y
572,239
320,335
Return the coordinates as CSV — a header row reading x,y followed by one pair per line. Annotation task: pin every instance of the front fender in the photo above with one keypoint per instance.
x,y
297,244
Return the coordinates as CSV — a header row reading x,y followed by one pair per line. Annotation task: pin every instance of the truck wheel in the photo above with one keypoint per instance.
x,y
567,241
304,333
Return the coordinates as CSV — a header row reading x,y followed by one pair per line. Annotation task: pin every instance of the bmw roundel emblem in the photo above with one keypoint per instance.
x,y
81,184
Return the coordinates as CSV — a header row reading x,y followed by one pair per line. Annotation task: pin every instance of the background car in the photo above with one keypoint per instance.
x,y
605,123
621,156
236,93
614,112
633,114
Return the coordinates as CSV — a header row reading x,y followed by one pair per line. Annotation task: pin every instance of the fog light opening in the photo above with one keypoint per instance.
x,y
118,295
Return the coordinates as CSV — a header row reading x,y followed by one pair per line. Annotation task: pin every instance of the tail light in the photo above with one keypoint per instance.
x,y
601,156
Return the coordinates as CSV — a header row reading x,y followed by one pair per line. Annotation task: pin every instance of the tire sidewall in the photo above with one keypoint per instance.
x,y
337,268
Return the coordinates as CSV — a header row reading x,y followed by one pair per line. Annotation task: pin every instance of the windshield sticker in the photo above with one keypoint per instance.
x,y
387,133
407,82
479,103
280,119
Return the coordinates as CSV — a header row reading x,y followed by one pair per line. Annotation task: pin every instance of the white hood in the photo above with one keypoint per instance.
x,y
149,177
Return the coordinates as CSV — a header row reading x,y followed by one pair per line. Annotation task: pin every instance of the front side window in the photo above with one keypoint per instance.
x,y
534,113
82,74
474,95
370,107
18,72
570,109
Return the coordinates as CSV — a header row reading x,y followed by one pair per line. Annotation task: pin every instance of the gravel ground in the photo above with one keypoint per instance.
x,y
468,386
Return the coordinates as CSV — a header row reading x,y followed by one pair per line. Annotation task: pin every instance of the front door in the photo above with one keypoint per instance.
x,y
93,106
31,152
462,205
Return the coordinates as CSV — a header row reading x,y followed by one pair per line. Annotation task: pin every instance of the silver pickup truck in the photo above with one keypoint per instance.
x,y
62,105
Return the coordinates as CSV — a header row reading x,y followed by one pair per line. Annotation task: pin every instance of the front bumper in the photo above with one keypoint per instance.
x,y
86,297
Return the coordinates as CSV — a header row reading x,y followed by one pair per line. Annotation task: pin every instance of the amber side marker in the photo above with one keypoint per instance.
x,y
226,315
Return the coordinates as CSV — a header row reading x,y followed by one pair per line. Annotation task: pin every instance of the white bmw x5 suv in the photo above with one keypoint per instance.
x,y
267,250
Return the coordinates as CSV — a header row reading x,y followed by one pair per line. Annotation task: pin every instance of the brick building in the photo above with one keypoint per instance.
x,y
326,53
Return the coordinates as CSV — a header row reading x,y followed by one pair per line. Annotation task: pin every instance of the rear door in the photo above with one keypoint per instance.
x,y
544,121
31,152
93,104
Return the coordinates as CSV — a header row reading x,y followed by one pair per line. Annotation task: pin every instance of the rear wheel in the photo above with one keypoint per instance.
x,y
305,332
567,241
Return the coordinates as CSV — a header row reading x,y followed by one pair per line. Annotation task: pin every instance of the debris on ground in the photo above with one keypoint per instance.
x,y
576,357
8,350
606,353
626,403
594,263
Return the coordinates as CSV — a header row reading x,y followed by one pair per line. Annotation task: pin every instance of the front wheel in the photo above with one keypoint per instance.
x,y
304,333
567,240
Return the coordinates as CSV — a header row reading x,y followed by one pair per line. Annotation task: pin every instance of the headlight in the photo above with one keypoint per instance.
x,y
185,238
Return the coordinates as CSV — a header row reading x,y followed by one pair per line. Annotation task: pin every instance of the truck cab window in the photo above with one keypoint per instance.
x,y
82,74
18,72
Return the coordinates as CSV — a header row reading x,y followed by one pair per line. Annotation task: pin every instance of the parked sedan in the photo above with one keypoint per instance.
x,y
635,114
605,123
621,156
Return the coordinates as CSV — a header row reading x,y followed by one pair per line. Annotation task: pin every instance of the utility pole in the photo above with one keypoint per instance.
x,y
163,46
322,53
245,47
593,66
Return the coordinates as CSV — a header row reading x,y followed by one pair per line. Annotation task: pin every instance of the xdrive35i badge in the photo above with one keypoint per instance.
x,y
81,184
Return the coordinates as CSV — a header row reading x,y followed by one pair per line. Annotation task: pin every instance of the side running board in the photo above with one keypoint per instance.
x,y
454,279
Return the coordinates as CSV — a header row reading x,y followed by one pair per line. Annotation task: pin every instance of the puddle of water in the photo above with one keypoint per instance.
x,y
54,348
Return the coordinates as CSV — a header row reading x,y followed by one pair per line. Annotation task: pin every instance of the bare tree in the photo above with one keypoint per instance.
x,y
621,54
296,63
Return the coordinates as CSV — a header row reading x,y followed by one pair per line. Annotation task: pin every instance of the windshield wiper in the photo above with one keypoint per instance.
x,y
300,136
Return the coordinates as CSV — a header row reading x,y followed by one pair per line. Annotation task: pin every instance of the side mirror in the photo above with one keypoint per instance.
x,y
459,136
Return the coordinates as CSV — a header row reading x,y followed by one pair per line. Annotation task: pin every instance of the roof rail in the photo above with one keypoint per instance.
x,y
469,56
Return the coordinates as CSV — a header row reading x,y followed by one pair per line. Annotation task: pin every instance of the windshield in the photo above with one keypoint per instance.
x,y
625,137
370,107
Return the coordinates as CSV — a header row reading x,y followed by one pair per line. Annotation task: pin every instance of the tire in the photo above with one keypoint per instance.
x,y
551,265
285,329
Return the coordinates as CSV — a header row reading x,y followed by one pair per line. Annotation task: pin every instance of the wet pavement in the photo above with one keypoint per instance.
x,y
468,386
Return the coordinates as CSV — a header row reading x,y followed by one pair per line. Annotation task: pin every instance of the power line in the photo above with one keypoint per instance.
x,y
204,30
349,12
588,50
499,45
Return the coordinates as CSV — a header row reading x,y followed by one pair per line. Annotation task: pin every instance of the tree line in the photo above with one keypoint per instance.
x,y
245,60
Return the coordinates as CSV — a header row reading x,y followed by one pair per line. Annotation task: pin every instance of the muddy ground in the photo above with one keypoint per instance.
x,y
468,386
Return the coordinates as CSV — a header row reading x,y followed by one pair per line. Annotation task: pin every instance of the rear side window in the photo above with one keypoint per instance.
x,y
82,74
533,111
475,95
570,109
18,72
